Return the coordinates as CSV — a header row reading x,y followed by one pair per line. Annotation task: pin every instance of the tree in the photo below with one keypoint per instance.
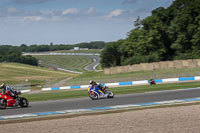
x,y
168,34
110,55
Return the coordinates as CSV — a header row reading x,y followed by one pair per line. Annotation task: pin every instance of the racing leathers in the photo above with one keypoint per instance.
x,y
98,85
9,91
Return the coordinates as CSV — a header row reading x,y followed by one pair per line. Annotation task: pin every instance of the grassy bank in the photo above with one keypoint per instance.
x,y
80,51
133,76
70,62
119,90
14,73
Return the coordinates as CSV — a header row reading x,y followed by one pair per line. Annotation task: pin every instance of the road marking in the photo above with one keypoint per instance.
x,y
171,102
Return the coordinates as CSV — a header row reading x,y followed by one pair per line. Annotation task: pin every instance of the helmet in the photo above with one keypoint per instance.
x,y
2,85
91,81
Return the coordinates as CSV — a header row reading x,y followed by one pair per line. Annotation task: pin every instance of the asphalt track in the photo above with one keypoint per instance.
x,y
84,103
92,67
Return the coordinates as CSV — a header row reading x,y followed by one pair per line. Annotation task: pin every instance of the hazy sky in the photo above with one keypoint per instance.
x,y
70,21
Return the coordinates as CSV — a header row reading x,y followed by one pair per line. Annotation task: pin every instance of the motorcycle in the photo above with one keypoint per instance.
x,y
96,93
152,82
6,100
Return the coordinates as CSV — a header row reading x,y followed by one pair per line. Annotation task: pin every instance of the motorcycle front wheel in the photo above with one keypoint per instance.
x,y
93,96
110,94
23,102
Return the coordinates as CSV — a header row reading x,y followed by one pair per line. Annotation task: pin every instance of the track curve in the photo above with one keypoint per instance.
x,y
92,67
80,103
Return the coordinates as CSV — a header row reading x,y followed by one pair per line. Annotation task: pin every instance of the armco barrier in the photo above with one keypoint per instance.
x,y
128,83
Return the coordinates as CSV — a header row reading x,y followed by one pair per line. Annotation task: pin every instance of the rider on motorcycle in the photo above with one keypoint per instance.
x,y
93,83
8,91
152,82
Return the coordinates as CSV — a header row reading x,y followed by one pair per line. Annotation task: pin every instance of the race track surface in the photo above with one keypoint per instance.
x,y
83,103
92,67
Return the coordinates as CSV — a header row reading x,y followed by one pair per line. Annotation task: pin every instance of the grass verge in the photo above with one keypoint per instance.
x,y
133,76
118,90
80,51
70,62
15,73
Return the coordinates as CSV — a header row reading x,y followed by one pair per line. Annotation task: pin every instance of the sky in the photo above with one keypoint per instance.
x,y
70,21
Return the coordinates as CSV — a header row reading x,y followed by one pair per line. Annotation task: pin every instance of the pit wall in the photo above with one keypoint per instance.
x,y
176,64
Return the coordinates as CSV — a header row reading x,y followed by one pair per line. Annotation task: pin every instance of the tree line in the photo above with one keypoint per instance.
x,y
171,33
52,47
9,53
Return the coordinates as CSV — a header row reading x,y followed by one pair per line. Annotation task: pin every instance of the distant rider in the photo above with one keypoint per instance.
x,y
93,83
152,82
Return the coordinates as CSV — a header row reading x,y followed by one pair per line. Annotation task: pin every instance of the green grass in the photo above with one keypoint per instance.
x,y
118,90
133,76
80,51
75,63
14,73
99,68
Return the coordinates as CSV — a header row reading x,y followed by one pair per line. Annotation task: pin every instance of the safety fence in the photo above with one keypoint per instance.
x,y
142,82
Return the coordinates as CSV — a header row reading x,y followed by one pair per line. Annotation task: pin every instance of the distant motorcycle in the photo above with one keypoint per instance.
x,y
96,93
152,82
6,100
